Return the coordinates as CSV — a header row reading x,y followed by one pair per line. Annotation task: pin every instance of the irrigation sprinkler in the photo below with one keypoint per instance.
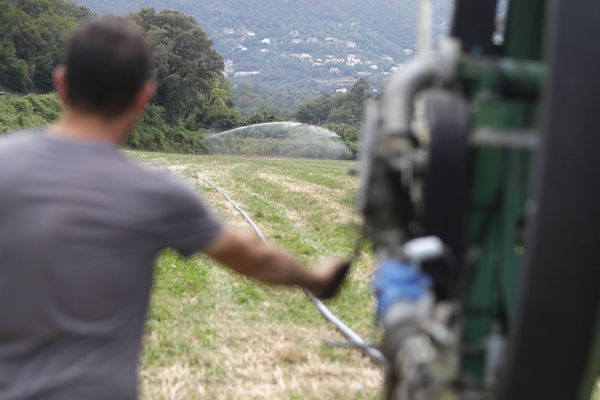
x,y
280,139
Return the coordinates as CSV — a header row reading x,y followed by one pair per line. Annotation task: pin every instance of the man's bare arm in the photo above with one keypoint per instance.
x,y
250,256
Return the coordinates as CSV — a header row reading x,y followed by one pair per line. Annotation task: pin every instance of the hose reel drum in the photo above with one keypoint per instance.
x,y
415,185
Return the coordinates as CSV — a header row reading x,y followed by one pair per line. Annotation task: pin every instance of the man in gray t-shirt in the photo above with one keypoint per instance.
x,y
81,224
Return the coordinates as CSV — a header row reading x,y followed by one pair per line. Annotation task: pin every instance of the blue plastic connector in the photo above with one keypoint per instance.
x,y
398,281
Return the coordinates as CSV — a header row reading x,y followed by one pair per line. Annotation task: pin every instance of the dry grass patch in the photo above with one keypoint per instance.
x,y
269,362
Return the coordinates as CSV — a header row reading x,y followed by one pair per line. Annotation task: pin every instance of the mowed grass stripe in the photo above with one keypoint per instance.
x,y
316,234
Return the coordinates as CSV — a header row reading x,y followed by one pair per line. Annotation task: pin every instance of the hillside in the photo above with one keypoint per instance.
x,y
304,47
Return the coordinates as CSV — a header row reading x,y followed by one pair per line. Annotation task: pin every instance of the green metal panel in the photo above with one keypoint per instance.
x,y
525,29
497,172
504,94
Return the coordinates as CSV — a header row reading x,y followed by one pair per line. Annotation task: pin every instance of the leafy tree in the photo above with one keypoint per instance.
x,y
17,112
350,135
186,65
360,91
344,108
32,35
316,112
345,114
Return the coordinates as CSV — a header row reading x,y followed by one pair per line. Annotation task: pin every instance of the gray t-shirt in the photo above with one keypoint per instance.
x,y
80,226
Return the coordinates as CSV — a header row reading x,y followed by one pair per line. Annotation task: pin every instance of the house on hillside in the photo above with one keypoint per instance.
x,y
228,67
246,73
334,60
352,60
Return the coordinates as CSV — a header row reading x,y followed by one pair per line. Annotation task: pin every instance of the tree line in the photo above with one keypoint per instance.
x,y
193,96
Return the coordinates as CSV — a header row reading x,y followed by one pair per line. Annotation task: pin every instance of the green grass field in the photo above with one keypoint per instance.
x,y
215,335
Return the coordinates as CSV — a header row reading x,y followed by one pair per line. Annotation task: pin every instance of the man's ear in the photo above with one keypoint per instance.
x,y
144,96
59,78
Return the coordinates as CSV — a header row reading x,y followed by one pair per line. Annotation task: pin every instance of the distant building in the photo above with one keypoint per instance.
x,y
334,70
297,41
266,41
228,70
312,40
294,33
352,60
350,45
342,90
246,73
334,60
251,33
228,31
408,52
374,67
264,51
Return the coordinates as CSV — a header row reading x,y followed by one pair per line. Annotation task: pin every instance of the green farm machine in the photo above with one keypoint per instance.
x,y
480,187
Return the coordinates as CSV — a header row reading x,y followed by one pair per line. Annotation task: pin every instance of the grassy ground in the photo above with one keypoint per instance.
x,y
214,335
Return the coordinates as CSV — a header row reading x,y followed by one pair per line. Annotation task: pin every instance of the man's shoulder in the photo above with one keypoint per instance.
x,y
158,181
13,140
17,149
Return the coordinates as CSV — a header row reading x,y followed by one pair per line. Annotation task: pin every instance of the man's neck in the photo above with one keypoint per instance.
x,y
83,126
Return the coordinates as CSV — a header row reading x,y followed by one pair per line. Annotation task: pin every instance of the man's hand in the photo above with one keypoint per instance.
x,y
329,278
250,256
